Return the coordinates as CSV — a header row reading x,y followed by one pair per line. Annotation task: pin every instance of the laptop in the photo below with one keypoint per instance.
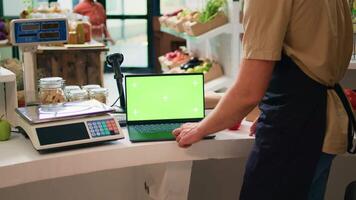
x,y
158,104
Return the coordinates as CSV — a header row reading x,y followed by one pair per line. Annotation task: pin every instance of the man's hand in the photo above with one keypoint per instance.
x,y
188,134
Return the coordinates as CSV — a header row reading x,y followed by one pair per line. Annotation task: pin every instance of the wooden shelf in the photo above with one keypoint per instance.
x,y
227,28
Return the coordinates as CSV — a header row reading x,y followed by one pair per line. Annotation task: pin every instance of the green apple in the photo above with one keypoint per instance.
x,y
5,129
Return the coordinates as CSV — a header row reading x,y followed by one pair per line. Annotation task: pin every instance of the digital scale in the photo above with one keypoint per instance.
x,y
28,34
38,31
74,123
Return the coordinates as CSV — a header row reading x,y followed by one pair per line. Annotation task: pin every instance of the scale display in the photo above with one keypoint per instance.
x,y
34,31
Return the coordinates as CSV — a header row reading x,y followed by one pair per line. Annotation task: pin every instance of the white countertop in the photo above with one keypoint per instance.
x,y
21,163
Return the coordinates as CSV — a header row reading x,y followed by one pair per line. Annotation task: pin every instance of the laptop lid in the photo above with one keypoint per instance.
x,y
164,98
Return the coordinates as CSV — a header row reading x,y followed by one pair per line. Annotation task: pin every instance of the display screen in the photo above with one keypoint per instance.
x,y
45,35
30,27
50,26
165,97
62,133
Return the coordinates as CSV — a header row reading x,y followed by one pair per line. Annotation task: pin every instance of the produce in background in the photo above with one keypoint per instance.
x,y
164,19
194,62
3,30
174,59
212,8
351,95
187,15
15,66
210,69
197,66
176,56
212,16
174,13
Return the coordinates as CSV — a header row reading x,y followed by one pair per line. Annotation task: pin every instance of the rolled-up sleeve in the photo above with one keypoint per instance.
x,y
265,25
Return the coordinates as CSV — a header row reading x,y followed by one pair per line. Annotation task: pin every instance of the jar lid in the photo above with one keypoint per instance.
x,y
99,91
78,92
51,82
90,87
71,87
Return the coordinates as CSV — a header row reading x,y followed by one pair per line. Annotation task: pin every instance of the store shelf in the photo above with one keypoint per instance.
x,y
352,64
227,28
218,83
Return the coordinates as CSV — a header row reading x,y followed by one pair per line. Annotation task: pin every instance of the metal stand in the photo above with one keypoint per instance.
x,y
115,60
29,65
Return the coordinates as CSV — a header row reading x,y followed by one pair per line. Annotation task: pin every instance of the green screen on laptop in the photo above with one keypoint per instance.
x,y
165,97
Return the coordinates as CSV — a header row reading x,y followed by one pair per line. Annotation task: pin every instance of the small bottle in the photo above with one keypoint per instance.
x,y
87,29
99,94
80,32
72,38
51,92
78,95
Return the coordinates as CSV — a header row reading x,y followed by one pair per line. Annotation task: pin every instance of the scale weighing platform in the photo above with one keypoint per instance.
x,y
74,123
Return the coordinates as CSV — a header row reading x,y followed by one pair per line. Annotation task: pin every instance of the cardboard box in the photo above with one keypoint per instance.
x,y
178,25
196,28
215,71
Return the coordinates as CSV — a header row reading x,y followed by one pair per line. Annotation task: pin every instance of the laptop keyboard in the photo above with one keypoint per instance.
x,y
156,128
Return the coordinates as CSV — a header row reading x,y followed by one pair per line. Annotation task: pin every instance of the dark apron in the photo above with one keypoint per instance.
x,y
289,136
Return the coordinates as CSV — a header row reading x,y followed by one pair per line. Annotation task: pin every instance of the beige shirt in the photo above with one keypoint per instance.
x,y
317,35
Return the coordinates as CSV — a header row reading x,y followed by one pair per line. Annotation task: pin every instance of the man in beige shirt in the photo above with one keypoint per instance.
x,y
295,53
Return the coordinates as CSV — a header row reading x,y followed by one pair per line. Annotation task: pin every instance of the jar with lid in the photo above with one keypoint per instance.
x,y
90,87
51,92
80,32
77,95
87,29
70,88
99,94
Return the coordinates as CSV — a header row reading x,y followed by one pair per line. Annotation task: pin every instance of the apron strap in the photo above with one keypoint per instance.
x,y
352,123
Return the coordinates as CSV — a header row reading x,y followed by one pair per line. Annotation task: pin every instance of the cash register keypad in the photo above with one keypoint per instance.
x,y
99,128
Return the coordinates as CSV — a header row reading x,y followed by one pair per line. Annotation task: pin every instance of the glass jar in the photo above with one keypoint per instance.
x,y
99,94
90,87
87,29
77,95
80,32
51,92
55,7
69,88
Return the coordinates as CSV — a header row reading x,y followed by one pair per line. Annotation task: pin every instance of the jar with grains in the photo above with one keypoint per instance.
x,y
51,92
78,95
90,87
99,94
69,88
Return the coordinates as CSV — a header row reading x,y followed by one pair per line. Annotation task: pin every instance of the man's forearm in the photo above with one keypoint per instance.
x,y
241,98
